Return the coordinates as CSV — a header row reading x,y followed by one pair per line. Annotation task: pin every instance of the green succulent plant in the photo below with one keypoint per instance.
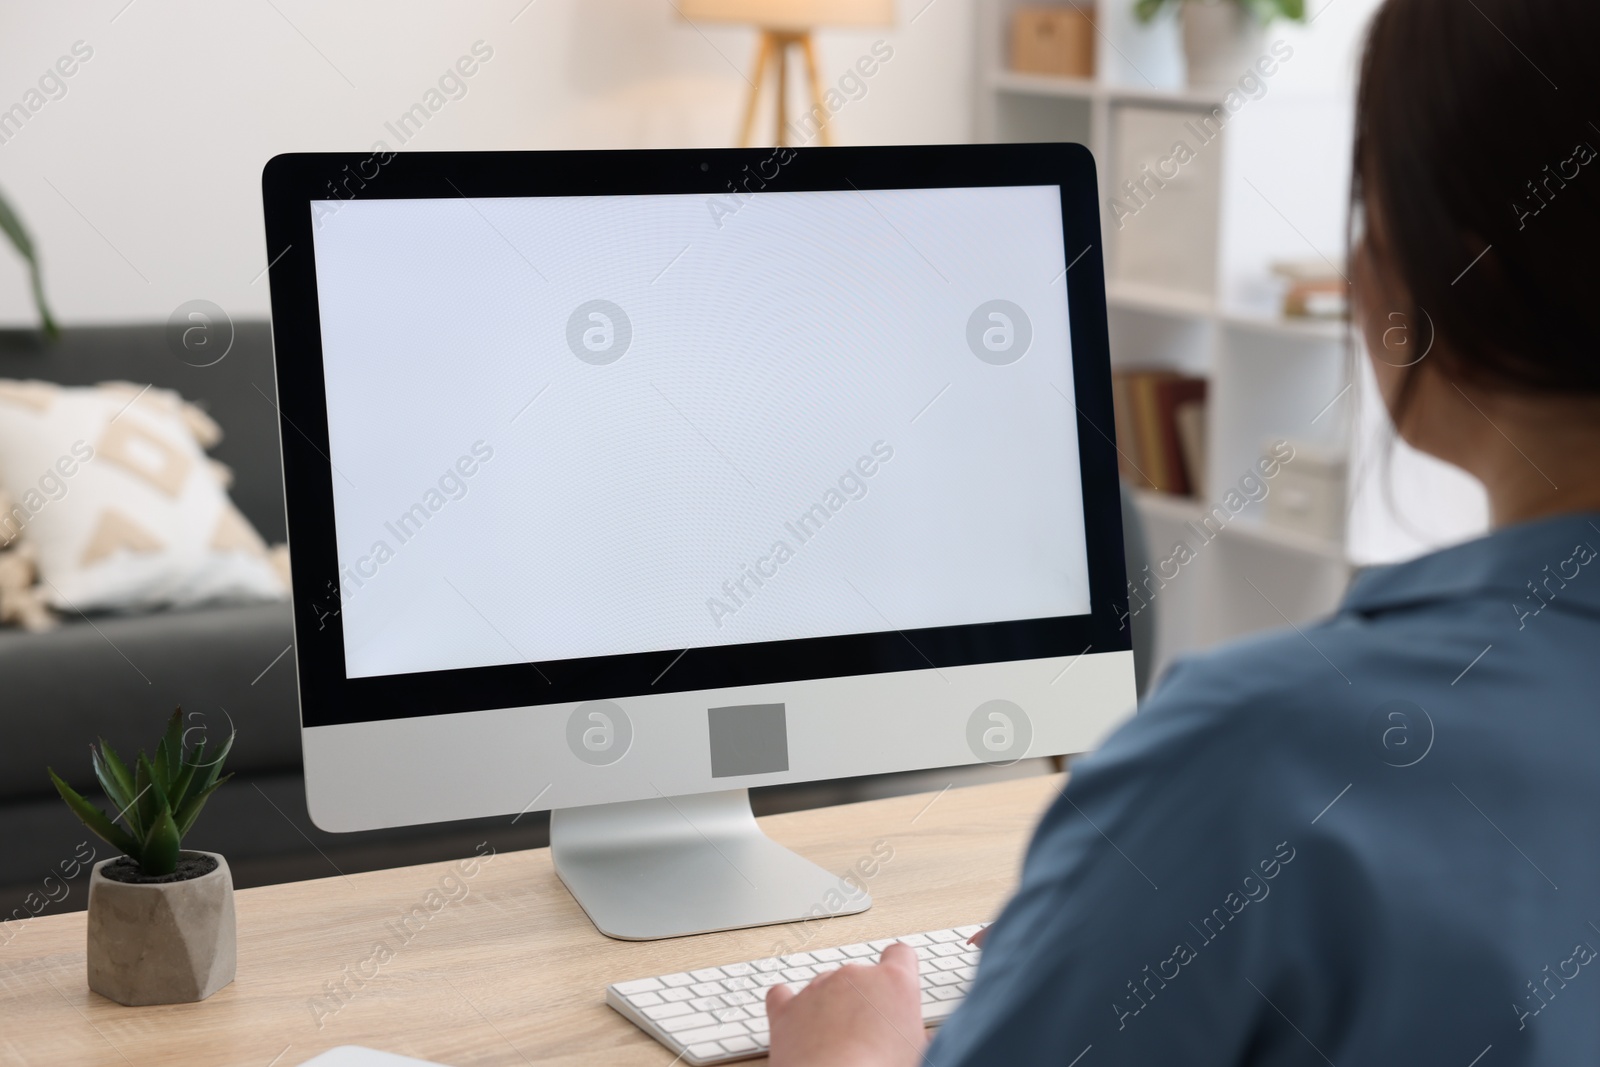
x,y
1263,10
158,801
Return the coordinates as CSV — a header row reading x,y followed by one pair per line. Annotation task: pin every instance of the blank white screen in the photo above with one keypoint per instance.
x,y
771,349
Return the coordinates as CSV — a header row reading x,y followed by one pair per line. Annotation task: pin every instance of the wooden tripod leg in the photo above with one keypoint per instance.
x,y
819,109
782,49
763,51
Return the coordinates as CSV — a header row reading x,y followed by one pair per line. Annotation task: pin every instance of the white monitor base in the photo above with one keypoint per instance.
x,y
648,869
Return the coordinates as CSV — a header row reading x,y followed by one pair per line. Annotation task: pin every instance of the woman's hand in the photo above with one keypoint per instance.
x,y
856,1016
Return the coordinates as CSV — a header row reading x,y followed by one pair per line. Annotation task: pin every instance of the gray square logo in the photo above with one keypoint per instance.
x,y
748,739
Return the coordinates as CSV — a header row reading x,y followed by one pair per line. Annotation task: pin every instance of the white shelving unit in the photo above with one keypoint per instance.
x,y
1270,377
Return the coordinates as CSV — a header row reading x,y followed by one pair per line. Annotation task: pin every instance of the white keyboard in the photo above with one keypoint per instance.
x,y
719,1014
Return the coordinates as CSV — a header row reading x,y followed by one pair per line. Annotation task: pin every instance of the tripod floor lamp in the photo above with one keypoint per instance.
x,y
786,26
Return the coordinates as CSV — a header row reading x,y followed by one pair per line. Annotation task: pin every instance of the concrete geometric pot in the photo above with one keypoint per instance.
x,y
162,942
1221,42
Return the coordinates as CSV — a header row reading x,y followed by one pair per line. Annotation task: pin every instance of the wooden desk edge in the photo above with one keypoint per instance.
x,y
514,911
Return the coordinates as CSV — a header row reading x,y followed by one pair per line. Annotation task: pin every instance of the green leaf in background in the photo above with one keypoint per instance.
x,y
12,226
1264,10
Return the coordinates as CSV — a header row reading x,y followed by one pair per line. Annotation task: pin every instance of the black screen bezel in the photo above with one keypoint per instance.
x,y
327,697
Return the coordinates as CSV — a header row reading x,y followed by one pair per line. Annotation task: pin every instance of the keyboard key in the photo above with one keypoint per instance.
x,y
730,1015
968,931
706,1003
667,1011
966,974
738,998
943,992
643,985
739,1044
948,964
800,974
738,970
766,966
676,980
855,952
880,944
914,940
710,974
687,1022
943,978
948,950
757,1027
799,959
676,995
709,1048
945,936
829,955
645,1000
706,989
710,1033
741,982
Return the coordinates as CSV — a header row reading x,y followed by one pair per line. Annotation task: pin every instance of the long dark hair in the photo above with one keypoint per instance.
x,y
1477,142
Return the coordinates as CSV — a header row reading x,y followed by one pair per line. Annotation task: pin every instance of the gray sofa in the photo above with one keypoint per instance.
x,y
120,676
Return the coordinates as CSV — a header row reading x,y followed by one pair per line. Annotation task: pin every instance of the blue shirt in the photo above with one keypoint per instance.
x,y
1375,840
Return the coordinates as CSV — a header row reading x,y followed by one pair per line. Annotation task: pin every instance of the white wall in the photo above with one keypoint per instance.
x,y
141,184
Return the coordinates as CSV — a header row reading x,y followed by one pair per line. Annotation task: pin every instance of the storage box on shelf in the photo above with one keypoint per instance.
x,y
1053,40
1221,566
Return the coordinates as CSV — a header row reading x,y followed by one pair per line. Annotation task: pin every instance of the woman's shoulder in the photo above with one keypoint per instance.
x,y
1268,704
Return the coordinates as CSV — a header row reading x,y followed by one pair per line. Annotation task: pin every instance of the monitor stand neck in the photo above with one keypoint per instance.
x,y
647,869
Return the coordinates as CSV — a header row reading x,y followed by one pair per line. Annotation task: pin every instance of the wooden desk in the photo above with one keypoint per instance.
x,y
511,972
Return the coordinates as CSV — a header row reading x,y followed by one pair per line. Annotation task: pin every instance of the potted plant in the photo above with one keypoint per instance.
x,y
161,924
1222,39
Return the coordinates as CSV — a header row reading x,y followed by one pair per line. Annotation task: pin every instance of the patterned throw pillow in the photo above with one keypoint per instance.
x,y
112,488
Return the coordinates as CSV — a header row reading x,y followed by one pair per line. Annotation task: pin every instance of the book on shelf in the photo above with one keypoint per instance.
x,y
1160,429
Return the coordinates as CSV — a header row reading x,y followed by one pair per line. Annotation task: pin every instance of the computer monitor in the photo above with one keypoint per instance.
x,y
621,482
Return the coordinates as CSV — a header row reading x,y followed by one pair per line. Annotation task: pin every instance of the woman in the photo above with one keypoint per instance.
x,y
1376,840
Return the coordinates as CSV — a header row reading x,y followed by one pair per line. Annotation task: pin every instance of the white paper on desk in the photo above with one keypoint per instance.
x,y
358,1056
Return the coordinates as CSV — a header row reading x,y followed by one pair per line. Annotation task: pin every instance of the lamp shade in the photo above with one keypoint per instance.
x,y
791,14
